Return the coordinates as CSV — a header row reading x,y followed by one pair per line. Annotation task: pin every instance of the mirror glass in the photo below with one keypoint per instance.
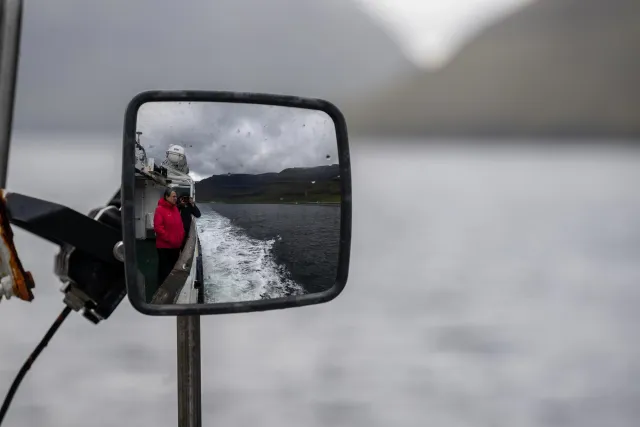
x,y
235,202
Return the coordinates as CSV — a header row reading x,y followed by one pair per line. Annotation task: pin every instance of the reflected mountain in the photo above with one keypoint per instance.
x,y
320,184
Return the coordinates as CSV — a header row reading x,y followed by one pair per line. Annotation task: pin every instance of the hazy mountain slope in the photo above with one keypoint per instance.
x,y
83,60
558,67
321,183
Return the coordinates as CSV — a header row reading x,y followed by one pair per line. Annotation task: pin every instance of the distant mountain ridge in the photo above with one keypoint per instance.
x,y
320,183
555,68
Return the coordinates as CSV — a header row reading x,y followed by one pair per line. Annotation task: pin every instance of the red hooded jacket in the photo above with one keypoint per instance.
x,y
167,224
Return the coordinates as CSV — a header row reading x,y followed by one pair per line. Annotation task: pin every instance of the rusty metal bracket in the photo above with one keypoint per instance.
x,y
88,263
14,280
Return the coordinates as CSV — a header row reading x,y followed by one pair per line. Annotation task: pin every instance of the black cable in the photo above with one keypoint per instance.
x,y
32,357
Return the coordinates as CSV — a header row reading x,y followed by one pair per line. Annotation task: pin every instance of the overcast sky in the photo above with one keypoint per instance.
x,y
83,60
224,138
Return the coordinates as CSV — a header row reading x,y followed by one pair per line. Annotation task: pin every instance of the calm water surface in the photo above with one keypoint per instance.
x,y
302,240
488,287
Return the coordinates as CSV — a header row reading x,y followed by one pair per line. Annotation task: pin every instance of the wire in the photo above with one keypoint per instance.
x,y
32,357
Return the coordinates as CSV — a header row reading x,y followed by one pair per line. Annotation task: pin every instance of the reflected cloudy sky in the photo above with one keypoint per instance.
x,y
238,138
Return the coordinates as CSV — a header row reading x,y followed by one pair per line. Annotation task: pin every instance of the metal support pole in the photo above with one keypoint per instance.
x,y
189,392
10,24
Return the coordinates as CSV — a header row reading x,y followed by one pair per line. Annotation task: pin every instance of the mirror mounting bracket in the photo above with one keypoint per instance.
x,y
93,277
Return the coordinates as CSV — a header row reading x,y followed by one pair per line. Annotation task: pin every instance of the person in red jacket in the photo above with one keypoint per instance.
x,y
167,224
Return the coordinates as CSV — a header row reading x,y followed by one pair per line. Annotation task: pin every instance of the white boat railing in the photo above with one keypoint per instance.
x,y
189,293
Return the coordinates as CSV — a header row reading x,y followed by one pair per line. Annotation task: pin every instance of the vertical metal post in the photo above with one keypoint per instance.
x,y
189,391
10,24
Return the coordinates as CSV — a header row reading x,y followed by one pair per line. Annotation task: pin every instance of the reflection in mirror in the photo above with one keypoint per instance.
x,y
235,202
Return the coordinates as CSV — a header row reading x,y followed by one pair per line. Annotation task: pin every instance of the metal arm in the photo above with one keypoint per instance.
x,y
90,259
61,225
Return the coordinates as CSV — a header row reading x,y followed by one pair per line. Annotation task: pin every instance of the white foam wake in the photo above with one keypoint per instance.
x,y
237,267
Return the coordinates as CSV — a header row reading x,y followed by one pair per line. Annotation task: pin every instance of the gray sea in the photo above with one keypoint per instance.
x,y
255,251
490,285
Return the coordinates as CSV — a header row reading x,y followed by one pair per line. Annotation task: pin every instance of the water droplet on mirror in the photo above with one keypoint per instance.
x,y
228,173
313,182
328,157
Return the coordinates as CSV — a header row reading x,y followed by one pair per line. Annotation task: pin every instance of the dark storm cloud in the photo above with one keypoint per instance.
x,y
238,138
83,60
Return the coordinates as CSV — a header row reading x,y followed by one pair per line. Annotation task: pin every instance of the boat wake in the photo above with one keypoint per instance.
x,y
237,267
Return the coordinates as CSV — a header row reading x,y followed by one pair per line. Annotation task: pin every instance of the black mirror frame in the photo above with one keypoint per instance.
x,y
134,291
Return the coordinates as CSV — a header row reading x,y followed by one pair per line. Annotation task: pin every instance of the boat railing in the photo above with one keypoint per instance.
x,y
182,274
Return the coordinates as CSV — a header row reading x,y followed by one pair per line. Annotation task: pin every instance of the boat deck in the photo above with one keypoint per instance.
x,y
147,257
